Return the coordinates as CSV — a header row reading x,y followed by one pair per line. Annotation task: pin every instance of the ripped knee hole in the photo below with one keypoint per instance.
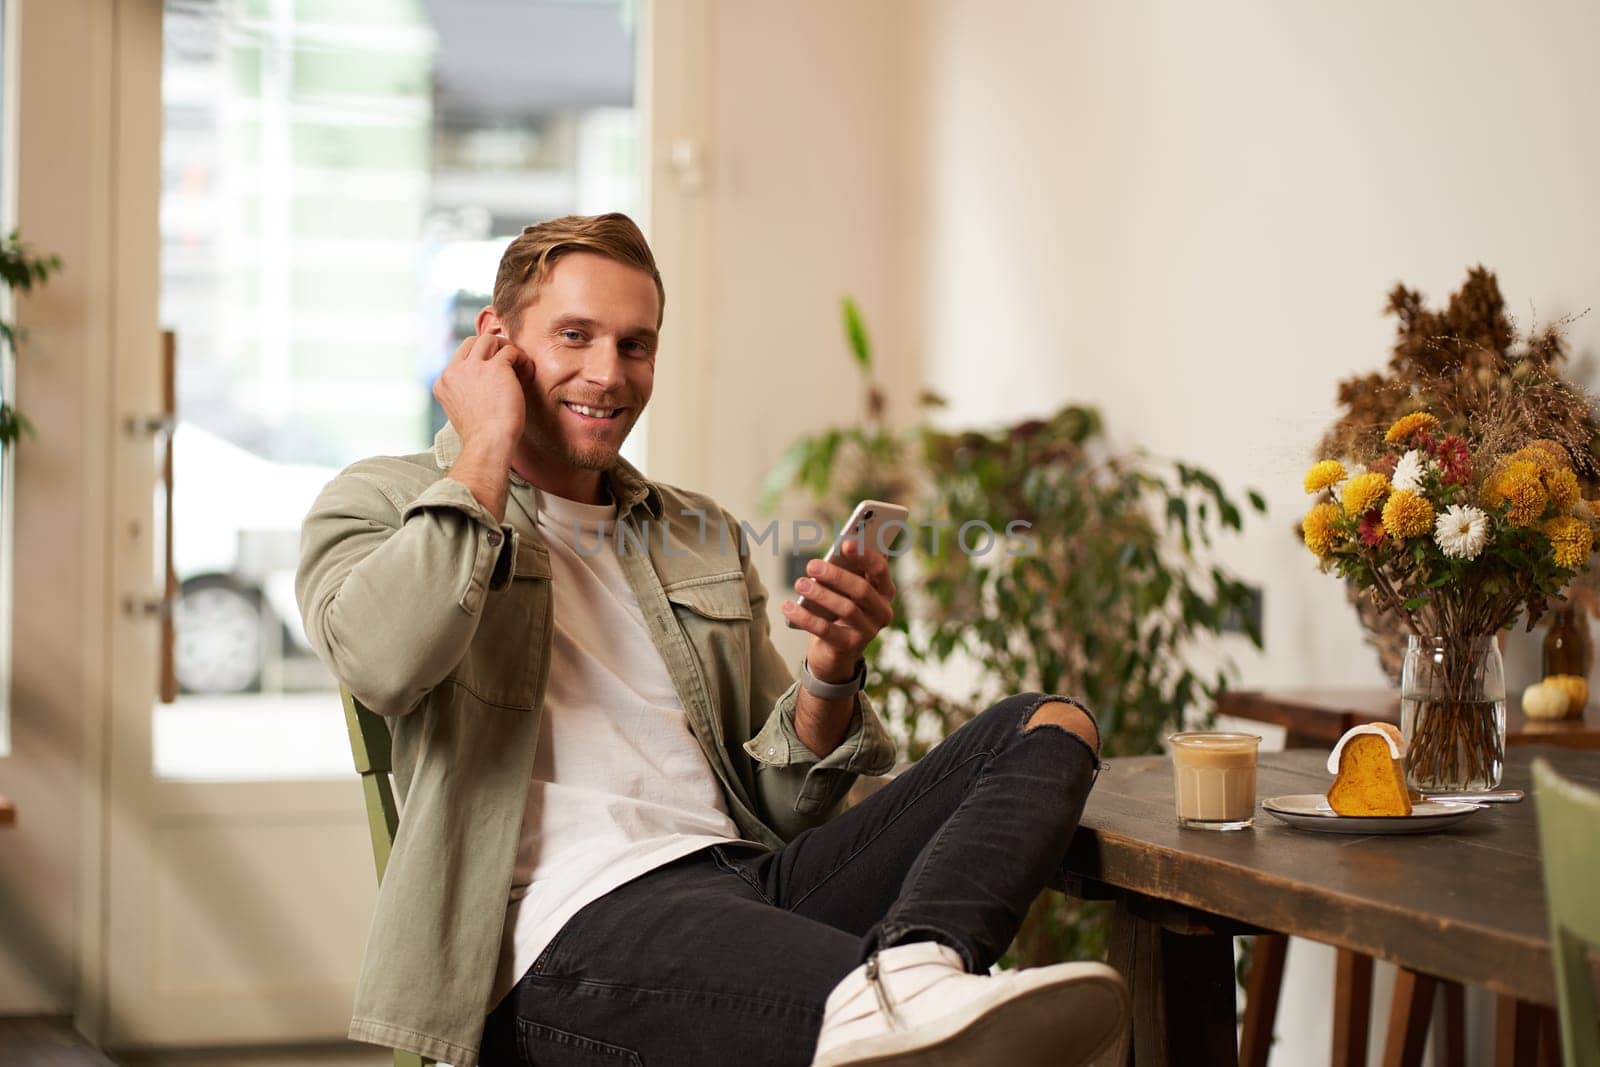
x,y
1069,717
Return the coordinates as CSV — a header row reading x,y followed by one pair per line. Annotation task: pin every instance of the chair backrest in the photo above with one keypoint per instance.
x,y
369,744
1569,841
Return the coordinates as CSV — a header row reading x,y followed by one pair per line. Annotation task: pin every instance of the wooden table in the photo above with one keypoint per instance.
x,y
1466,904
1316,718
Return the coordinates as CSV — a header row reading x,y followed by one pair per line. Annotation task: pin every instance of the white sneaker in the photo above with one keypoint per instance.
x,y
915,1003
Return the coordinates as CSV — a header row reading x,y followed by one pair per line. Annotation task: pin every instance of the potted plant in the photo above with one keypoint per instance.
x,y
1112,606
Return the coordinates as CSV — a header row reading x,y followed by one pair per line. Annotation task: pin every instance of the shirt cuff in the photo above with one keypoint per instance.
x,y
867,748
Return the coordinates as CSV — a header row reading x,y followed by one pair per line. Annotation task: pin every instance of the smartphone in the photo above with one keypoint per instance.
x,y
866,526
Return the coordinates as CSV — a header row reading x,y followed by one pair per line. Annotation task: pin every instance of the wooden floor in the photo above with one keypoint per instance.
x,y
53,1043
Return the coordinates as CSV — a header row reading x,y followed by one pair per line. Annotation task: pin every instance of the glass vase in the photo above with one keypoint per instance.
x,y
1453,714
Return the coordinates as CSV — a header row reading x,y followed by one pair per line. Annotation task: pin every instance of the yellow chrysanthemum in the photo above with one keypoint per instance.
x,y
1571,539
1548,454
1517,483
1562,486
1406,425
1321,535
1405,514
1322,475
1363,493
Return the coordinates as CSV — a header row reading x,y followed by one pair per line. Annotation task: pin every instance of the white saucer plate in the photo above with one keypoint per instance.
x,y
1310,811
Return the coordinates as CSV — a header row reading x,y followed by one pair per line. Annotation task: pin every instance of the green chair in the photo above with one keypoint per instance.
x,y
369,743
1569,841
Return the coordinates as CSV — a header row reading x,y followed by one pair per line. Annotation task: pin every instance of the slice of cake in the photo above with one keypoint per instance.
x,y
1370,773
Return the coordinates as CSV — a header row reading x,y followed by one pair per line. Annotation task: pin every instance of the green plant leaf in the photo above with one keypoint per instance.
x,y
856,332
13,425
784,474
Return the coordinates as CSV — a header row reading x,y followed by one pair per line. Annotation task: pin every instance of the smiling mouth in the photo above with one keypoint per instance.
x,y
593,414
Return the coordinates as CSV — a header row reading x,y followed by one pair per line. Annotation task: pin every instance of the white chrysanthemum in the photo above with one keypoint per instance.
x,y
1461,531
1409,471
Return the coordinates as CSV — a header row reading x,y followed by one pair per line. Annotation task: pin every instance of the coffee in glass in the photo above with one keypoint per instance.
x,y
1214,779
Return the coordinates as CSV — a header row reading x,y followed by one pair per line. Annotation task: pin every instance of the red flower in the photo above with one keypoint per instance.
x,y
1372,528
1455,465
1385,466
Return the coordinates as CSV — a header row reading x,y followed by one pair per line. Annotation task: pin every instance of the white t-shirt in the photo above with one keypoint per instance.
x,y
620,785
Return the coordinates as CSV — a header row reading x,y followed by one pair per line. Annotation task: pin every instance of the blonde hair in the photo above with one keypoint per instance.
x,y
529,257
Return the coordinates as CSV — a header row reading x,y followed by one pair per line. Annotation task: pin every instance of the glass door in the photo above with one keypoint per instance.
x,y
336,181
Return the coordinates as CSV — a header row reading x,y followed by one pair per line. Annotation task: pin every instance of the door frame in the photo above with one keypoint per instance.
x,y
67,60
132,173
674,98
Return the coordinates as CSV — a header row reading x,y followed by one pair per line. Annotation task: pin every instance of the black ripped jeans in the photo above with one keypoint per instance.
x,y
728,954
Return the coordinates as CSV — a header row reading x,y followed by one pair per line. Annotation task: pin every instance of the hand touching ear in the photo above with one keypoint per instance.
x,y
483,390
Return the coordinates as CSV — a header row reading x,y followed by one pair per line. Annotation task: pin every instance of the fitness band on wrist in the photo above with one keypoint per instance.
x,y
833,690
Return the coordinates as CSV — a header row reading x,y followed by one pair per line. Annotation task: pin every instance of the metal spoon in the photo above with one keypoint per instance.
x,y
1493,796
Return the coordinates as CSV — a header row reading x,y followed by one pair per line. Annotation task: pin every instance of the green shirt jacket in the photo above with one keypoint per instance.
x,y
439,618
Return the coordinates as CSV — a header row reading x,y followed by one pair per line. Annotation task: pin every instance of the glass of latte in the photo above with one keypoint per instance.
x,y
1214,779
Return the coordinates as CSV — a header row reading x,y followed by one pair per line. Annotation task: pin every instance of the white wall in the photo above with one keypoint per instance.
x,y
1190,215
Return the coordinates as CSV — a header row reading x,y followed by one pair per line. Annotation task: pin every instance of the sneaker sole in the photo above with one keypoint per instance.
x,y
1028,1029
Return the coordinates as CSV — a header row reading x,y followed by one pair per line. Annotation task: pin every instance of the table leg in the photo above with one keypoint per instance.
x,y
1516,1032
1549,1037
1408,1018
1352,1008
1183,992
1262,986
1450,1034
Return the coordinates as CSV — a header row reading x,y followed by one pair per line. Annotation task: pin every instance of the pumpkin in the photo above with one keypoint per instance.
x,y
1575,686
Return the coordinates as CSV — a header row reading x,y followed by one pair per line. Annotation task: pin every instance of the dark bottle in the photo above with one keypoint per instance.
x,y
1568,649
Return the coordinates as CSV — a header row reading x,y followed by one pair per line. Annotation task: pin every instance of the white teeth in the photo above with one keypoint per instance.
x,y
593,413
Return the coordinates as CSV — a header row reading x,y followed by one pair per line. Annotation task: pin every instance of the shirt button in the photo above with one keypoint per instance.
x,y
772,751
494,538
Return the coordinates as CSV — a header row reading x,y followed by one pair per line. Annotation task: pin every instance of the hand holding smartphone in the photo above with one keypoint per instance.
x,y
867,527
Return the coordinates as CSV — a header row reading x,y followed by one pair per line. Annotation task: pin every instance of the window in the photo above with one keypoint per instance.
x,y
339,178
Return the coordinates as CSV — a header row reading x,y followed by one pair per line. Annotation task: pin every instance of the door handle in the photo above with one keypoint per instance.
x,y
164,423
169,415
146,607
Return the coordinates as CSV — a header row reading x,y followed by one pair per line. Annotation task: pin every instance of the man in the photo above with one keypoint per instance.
x,y
617,842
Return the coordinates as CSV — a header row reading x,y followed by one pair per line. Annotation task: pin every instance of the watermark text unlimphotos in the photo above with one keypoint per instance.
x,y
974,537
